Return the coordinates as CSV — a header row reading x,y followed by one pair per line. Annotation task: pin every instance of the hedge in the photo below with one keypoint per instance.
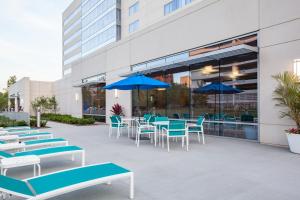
x,y
7,122
67,119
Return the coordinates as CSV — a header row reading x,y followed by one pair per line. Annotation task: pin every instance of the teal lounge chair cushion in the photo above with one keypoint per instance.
x,y
15,185
34,134
32,142
45,151
71,177
19,130
4,154
2,142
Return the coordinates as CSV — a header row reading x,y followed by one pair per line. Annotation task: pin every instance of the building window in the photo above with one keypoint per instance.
x,y
67,71
134,26
226,114
134,8
174,5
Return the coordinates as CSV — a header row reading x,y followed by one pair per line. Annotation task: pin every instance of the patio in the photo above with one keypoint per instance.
x,y
223,169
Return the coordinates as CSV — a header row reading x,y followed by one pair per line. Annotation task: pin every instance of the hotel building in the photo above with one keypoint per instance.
x,y
187,43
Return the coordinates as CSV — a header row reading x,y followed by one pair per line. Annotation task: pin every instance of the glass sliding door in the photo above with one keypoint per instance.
x,y
227,114
93,97
178,95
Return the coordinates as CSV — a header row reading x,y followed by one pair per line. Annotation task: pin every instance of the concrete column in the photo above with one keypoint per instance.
x,y
16,105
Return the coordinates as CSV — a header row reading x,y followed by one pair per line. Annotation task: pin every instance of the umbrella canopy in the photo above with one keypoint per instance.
x,y
217,88
139,82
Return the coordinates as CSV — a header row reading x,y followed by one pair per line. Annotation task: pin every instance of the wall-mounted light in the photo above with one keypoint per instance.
x,y
76,97
297,67
116,94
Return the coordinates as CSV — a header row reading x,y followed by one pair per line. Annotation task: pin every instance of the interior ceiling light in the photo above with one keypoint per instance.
x,y
208,70
235,72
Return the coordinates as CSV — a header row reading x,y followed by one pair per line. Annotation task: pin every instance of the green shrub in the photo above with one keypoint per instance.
x,y
67,119
7,122
33,122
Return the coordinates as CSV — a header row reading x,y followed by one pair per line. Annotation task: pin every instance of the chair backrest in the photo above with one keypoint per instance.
x,y
151,119
147,117
115,119
4,154
14,185
177,127
161,119
200,120
186,116
176,116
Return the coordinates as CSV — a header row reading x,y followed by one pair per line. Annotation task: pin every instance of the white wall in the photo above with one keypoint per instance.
x,y
279,46
205,22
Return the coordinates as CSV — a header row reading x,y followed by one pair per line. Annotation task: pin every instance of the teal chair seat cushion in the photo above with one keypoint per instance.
x,y
195,128
4,154
176,133
32,142
119,125
46,151
72,177
15,185
34,134
2,142
147,131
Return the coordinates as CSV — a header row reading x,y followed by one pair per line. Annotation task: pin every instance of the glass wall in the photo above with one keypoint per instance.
x,y
93,98
227,114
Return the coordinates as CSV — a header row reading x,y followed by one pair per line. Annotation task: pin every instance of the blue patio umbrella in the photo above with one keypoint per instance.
x,y
217,88
137,82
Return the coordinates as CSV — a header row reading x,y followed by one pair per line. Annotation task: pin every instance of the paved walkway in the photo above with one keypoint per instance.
x,y
223,169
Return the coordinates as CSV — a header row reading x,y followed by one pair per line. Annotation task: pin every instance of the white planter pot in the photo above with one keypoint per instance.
x,y
294,142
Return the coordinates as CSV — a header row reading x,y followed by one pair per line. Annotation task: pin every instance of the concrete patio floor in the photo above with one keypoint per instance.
x,y
223,169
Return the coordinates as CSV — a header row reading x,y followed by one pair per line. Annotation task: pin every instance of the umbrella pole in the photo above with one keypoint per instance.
x,y
138,104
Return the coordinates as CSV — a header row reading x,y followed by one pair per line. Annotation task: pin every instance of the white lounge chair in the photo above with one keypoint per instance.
x,y
18,131
22,137
33,144
16,127
62,182
49,153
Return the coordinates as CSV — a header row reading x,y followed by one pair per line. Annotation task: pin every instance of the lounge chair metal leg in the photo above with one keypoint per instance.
x,y
203,140
131,193
39,169
187,142
199,137
168,143
83,158
34,170
182,142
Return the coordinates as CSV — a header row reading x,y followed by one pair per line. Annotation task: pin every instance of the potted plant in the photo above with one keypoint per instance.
x,y
287,95
117,110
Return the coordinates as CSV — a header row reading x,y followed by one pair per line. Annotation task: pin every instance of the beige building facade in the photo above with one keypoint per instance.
x,y
259,38
24,91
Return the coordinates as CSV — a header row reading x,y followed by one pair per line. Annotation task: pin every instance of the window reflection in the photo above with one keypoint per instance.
x,y
229,115
94,100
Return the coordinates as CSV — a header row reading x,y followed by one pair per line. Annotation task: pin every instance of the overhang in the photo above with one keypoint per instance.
x,y
201,58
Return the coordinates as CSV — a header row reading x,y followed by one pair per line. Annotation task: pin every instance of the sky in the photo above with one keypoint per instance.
x,y
30,39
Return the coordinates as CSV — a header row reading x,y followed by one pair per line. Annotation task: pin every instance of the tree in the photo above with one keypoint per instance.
x,y
46,104
3,101
53,104
12,80
287,95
